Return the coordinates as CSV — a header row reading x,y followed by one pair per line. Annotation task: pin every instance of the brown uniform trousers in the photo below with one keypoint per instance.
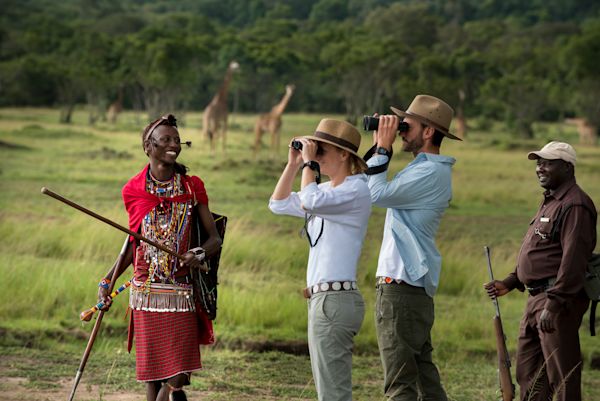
x,y
549,363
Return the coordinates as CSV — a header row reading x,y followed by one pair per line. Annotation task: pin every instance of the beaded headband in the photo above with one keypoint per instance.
x,y
170,120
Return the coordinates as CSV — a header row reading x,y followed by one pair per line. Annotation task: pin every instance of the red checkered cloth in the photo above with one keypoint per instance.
x,y
166,344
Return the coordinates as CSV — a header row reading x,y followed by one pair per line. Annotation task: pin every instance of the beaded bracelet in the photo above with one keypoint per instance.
x,y
104,283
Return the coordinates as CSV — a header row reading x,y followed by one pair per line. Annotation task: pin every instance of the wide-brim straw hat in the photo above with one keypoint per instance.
x,y
340,134
431,111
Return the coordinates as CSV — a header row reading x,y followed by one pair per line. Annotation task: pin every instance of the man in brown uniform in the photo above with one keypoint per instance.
x,y
551,267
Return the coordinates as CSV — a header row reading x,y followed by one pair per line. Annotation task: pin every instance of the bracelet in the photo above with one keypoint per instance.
x,y
197,251
104,283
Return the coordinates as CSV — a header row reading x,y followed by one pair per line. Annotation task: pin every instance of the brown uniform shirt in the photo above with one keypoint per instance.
x,y
564,258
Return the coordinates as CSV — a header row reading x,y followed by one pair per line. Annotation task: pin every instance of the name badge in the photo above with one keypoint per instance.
x,y
544,219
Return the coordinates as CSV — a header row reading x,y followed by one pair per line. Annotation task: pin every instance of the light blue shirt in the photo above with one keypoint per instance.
x,y
416,200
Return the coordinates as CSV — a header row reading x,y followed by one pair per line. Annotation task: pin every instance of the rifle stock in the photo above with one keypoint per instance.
x,y
507,387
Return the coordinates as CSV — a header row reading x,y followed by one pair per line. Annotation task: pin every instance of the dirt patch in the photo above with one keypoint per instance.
x,y
15,389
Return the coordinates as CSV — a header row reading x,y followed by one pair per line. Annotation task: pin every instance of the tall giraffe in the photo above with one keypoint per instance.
x,y
115,107
271,122
214,118
588,132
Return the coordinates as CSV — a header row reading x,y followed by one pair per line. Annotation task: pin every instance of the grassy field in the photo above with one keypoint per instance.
x,y
53,256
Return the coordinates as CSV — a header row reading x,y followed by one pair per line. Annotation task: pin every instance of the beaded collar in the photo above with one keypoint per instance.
x,y
166,224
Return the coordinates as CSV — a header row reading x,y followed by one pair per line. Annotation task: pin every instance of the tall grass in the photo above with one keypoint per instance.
x,y
53,256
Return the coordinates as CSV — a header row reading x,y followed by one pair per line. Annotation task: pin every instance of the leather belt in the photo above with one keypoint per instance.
x,y
538,286
329,286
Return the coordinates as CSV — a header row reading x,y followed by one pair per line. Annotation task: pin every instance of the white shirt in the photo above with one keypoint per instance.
x,y
344,212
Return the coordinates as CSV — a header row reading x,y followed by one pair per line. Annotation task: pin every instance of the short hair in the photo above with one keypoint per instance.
x,y
438,135
170,121
437,138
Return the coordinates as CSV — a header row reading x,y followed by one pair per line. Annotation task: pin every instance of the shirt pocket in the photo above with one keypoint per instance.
x,y
542,230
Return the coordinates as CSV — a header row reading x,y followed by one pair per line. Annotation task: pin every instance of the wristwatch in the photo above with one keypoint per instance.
x,y
383,151
311,164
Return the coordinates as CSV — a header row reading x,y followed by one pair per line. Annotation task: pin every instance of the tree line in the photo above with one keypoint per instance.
x,y
508,60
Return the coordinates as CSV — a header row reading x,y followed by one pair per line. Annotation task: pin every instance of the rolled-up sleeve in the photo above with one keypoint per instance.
x,y
288,206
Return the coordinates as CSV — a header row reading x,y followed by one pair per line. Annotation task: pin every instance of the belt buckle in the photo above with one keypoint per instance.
x,y
385,280
536,290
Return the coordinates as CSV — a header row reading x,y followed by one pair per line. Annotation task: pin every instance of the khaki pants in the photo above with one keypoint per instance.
x,y
334,318
404,317
549,363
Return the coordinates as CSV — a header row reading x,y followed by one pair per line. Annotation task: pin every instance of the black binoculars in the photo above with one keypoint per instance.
x,y
371,123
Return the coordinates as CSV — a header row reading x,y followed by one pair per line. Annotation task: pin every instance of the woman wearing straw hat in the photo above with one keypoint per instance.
x,y
336,214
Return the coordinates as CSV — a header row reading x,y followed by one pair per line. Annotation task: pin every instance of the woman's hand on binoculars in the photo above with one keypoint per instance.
x,y
294,155
309,150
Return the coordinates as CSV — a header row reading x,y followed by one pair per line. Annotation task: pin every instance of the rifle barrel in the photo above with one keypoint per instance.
x,y
491,273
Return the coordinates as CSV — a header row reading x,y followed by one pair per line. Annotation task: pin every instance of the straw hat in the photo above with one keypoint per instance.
x,y
431,111
340,134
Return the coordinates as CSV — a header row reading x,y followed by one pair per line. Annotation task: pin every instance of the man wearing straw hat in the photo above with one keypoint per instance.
x,y
409,264
551,266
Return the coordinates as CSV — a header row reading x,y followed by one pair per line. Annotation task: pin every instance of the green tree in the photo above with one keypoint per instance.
x,y
579,60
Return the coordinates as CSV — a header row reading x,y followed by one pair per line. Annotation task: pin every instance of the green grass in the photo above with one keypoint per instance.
x,y
53,255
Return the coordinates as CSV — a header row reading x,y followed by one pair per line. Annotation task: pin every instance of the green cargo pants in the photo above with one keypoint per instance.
x,y
404,317
334,318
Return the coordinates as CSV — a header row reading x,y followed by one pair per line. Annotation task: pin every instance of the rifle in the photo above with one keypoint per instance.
x,y
507,388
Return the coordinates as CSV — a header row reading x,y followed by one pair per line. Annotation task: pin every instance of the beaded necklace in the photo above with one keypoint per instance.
x,y
165,224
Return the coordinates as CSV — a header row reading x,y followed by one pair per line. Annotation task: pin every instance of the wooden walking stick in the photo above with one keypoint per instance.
x,y
135,235
87,314
90,344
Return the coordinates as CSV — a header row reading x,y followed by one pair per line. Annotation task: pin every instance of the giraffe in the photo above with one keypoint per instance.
x,y
214,118
271,121
460,121
588,132
115,107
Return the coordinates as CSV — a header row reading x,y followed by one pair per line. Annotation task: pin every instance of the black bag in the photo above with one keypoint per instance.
x,y
592,274
205,283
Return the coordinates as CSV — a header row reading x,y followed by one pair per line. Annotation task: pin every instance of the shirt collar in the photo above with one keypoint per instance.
x,y
562,190
423,156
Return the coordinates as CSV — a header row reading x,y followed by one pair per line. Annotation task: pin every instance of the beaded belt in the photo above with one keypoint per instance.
x,y
388,280
329,286
159,297
538,286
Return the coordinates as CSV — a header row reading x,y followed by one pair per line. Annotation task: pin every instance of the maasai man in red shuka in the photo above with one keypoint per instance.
x,y
167,325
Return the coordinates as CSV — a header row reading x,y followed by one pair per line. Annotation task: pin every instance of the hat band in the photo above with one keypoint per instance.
x,y
427,121
339,141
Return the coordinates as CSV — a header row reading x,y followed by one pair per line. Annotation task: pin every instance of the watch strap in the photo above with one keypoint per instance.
x,y
377,169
